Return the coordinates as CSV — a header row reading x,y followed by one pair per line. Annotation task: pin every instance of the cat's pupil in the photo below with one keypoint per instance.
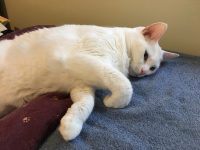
x,y
146,55
152,68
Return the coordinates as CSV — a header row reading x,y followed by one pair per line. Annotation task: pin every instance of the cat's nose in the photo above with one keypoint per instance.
x,y
142,72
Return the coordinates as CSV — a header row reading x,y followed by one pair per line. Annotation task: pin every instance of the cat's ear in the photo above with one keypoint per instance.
x,y
155,31
169,55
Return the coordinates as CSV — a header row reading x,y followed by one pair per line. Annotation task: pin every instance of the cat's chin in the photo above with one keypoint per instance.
x,y
139,76
136,75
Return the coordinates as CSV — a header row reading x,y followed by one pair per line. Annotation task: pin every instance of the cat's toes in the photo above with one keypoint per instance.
x,y
70,128
119,98
109,101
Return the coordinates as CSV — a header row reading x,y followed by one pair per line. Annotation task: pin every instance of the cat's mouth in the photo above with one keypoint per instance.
x,y
138,76
134,74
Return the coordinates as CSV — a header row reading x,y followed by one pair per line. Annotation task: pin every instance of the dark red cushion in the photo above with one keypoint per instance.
x,y
26,127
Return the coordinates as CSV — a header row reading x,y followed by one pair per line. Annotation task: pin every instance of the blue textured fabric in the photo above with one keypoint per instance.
x,y
164,114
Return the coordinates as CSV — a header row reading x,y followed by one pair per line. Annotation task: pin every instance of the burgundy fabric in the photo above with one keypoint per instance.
x,y
26,127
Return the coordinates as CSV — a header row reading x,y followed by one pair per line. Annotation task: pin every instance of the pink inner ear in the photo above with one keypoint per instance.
x,y
155,31
169,55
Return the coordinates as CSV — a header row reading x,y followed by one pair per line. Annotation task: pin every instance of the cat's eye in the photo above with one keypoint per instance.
x,y
152,68
146,55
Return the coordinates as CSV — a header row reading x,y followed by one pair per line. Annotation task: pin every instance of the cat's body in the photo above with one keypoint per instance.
x,y
40,62
75,59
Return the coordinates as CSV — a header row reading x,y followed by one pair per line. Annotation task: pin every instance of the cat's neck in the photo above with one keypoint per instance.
x,y
121,58
129,34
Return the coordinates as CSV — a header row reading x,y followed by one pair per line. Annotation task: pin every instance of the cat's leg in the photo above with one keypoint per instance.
x,y
72,122
103,75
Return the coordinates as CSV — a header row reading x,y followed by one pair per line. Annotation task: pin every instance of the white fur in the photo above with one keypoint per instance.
x,y
75,59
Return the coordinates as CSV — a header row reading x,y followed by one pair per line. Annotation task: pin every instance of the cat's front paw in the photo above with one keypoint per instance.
x,y
70,127
121,95
117,101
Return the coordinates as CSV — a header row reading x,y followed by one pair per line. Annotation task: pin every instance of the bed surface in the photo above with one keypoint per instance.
x,y
164,114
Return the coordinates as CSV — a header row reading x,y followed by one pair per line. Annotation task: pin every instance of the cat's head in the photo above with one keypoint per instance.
x,y
145,52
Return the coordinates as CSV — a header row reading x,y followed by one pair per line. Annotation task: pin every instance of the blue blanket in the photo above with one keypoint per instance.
x,y
164,114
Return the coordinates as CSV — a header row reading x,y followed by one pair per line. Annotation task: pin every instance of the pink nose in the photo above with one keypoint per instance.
x,y
142,72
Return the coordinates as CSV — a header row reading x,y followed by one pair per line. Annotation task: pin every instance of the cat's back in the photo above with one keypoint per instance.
x,y
51,37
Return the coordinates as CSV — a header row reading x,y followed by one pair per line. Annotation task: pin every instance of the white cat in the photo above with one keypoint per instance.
x,y
78,59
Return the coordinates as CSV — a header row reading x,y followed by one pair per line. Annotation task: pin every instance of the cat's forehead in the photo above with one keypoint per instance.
x,y
149,46
142,44
154,51
153,48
